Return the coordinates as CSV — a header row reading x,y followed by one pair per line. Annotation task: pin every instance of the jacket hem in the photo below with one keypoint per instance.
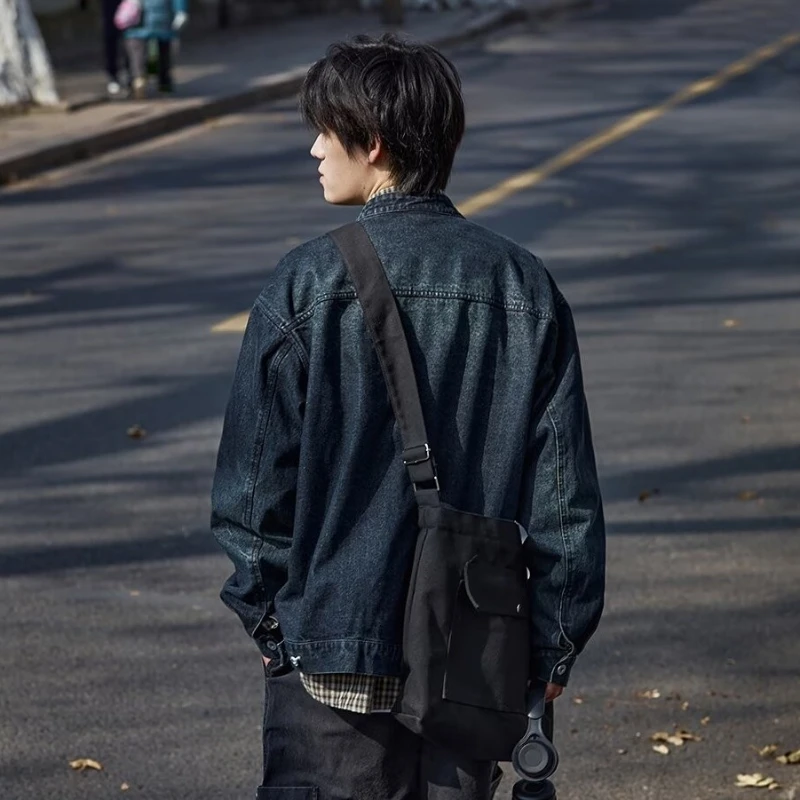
x,y
353,656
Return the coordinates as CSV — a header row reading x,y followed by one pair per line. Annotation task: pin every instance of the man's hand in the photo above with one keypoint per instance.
x,y
266,660
552,691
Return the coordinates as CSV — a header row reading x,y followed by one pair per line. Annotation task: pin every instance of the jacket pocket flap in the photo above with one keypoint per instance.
x,y
495,590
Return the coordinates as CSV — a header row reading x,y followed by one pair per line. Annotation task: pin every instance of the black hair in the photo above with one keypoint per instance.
x,y
405,94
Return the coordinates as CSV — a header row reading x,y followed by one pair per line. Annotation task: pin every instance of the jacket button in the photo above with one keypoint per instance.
x,y
295,661
561,669
272,645
270,623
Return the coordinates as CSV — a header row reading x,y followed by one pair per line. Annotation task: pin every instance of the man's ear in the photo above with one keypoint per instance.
x,y
375,153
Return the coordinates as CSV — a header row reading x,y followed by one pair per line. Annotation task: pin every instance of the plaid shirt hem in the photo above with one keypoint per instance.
x,y
362,694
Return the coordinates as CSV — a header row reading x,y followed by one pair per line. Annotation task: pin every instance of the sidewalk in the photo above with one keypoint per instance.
x,y
236,69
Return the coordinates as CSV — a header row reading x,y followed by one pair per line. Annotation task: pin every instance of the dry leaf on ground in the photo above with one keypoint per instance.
x,y
81,764
685,705
756,781
661,748
705,720
731,323
663,736
622,751
677,738
768,751
578,701
748,494
646,494
124,787
136,432
649,694
789,758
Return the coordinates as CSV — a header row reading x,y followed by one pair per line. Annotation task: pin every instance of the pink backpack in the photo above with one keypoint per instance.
x,y
128,14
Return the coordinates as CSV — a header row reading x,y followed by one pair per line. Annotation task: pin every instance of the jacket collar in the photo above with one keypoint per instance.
x,y
386,201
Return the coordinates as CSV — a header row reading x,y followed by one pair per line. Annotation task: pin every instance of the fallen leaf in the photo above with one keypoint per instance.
x,y
688,736
768,751
677,738
756,781
661,748
705,720
81,764
134,593
649,694
747,495
136,432
124,787
622,751
660,736
646,494
789,758
578,701
731,323
685,705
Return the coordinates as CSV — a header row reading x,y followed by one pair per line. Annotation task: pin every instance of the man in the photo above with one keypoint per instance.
x,y
311,499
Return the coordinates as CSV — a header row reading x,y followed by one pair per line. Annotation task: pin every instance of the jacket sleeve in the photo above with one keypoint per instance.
x,y
562,510
253,497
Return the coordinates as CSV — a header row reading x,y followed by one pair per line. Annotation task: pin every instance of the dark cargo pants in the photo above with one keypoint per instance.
x,y
314,752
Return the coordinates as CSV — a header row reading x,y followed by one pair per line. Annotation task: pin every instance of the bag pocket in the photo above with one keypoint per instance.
x,y
488,655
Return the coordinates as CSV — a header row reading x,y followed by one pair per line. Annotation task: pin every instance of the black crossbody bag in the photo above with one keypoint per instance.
x,y
466,630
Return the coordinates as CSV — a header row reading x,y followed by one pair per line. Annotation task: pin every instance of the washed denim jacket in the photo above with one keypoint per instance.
x,y
311,500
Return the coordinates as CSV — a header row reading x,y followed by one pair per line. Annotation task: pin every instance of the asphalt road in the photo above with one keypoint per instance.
x,y
678,250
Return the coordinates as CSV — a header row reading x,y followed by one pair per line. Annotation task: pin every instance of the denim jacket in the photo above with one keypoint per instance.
x,y
311,500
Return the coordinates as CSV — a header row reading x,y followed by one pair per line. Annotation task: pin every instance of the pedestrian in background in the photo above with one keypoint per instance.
x,y
161,21
312,500
112,48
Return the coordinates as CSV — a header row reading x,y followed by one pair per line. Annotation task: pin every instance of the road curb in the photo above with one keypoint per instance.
x,y
277,86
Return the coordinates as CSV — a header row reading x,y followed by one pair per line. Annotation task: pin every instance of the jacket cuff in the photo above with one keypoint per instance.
x,y
553,666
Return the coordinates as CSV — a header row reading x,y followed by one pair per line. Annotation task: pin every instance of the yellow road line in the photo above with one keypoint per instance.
x,y
578,152
235,324
623,128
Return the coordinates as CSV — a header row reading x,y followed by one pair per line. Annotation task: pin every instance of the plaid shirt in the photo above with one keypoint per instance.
x,y
362,694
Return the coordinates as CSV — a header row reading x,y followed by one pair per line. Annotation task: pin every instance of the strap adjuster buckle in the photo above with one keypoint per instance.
x,y
435,484
421,467
413,455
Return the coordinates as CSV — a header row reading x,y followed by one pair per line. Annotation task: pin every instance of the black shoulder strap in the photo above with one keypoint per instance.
x,y
386,329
